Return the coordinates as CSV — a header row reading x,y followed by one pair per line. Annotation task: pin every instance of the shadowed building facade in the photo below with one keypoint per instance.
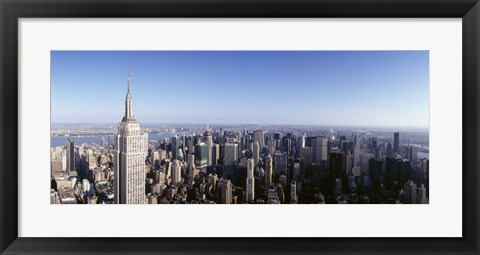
x,y
396,142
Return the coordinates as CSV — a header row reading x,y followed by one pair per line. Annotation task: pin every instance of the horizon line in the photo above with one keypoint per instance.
x,y
251,124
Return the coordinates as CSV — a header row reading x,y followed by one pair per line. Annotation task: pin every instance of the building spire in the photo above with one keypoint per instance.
x,y
128,79
128,103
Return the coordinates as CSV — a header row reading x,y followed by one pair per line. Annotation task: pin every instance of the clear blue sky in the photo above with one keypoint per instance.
x,y
347,88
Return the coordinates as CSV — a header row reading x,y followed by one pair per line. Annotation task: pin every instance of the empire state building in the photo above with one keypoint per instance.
x,y
130,158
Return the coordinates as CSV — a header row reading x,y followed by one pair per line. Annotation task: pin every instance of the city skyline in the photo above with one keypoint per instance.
x,y
362,99
238,164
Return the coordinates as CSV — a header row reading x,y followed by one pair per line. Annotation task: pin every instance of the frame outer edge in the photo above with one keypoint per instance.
x,y
476,70
2,246
3,242
477,67
470,136
8,125
9,215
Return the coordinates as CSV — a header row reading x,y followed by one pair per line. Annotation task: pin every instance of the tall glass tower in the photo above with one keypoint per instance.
x,y
396,142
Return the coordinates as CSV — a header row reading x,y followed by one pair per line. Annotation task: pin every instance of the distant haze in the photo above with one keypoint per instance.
x,y
338,88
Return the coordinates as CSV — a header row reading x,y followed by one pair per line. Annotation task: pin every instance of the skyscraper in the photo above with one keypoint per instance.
x,y
347,162
70,156
375,172
176,172
256,153
215,153
176,144
335,165
280,160
293,193
209,141
319,149
201,155
225,188
130,143
258,136
268,172
356,150
300,145
389,150
423,171
306,155
421,195
410,192
396,142
231,156
296,170
287,145
250,180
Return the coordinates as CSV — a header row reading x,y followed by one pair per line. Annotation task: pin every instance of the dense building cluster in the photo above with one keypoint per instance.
x,y
258,167
226,166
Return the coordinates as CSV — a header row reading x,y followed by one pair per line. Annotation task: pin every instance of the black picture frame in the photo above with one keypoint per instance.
x,y
11,11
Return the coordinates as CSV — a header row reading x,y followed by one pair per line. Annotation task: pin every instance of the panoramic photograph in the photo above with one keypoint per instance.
x,y
239,127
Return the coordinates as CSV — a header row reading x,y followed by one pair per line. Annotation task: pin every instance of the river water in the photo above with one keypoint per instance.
x,y
62,140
